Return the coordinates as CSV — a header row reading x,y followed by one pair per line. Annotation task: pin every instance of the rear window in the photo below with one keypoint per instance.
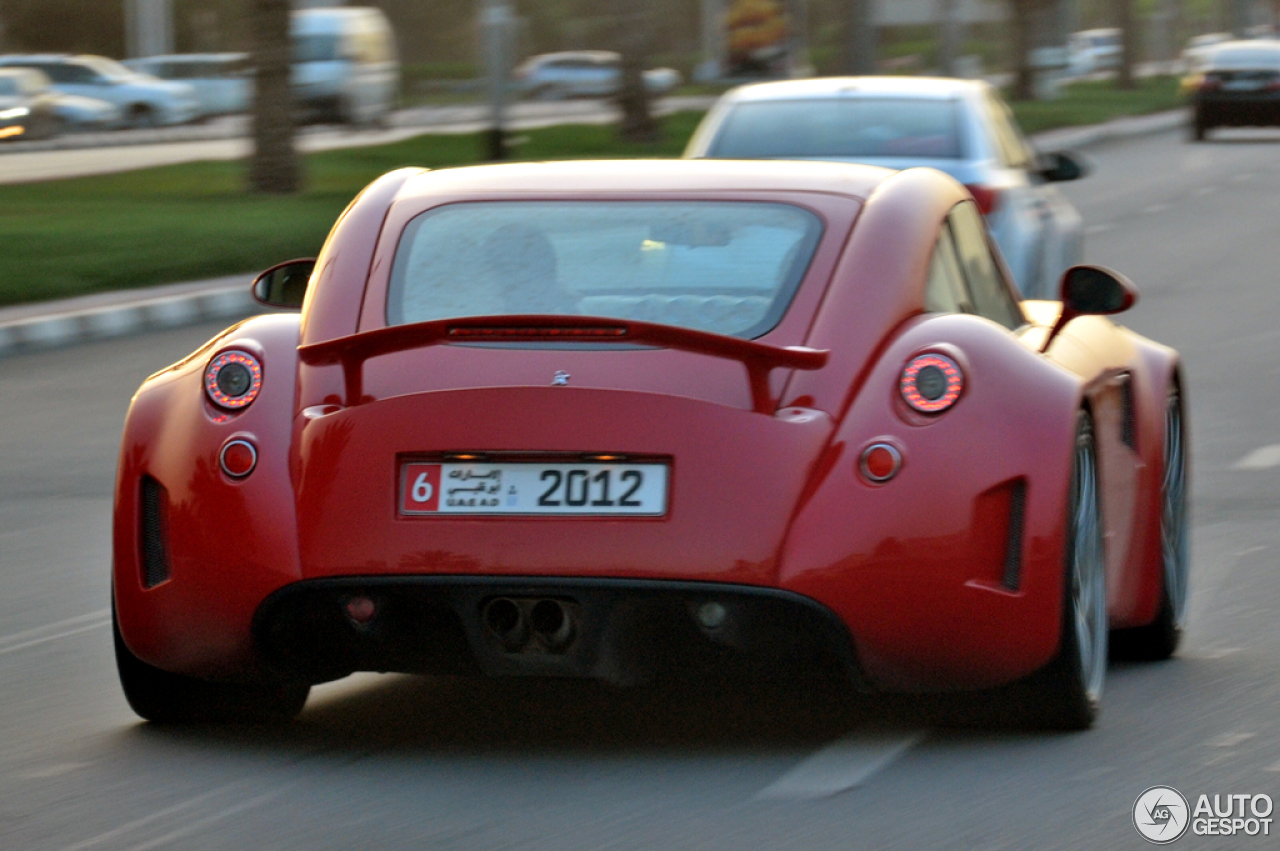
x,y
1243,60
317,47
725,267
837,128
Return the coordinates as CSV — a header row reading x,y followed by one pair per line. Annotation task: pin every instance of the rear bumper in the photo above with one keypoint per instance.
x,y
620,630
1238,110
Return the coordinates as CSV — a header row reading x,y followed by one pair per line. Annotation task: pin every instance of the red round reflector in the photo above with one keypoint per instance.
x,y
880,462
931,383
238,458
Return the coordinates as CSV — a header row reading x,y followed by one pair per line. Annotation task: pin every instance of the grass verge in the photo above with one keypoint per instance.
x,y
192,221
1097,101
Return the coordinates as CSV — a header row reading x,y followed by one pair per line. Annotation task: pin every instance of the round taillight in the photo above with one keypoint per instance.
x,y
931,383
880,462
232,379
238,458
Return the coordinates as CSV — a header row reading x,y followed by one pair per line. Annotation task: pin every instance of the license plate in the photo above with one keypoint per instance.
x,y
581,489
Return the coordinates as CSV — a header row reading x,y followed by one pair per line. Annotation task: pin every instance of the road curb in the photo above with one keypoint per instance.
x,y
1118,129
67,327
66,323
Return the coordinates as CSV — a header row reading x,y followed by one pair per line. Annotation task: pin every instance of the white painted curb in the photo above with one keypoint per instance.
x,y
82,326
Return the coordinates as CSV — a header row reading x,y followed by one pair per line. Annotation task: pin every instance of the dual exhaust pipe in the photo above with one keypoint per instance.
x,y
531,625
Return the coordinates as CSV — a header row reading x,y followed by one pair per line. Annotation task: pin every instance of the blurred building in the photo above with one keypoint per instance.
x,y
148,27
893,13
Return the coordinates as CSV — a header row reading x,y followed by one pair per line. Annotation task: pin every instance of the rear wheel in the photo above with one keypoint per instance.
x,y
1199,128
141,115
1159,639
167,698
1066,694
549,92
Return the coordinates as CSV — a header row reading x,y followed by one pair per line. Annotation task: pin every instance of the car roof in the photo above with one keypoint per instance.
x,y
604,177
193,57
924,88
1244,54
597,55
19,58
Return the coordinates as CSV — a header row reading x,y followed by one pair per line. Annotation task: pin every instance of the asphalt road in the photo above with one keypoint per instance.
x,y
403,763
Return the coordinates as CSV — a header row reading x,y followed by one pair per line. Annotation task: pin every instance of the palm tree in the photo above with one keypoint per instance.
x,y
633,42
273,167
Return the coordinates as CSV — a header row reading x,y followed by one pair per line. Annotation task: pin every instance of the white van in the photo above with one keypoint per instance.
x,y
344,64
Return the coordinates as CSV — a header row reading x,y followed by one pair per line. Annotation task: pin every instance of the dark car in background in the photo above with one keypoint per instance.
x,y
1237,85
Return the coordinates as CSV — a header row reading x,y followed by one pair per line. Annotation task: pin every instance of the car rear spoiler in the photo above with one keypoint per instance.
x,y
759,358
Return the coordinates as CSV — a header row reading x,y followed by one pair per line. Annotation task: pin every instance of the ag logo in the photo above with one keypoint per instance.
x,y
1161,815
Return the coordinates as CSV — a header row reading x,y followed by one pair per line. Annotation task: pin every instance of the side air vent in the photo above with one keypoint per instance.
x,y
1128,421
1013,545
153,530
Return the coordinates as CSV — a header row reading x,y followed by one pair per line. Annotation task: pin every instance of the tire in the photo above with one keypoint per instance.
x,y
1159,639
1066,694
1199,129
549,92
165,698
141,115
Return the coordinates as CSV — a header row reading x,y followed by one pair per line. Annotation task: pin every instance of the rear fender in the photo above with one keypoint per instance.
x,y
1156,368
918,567
229,542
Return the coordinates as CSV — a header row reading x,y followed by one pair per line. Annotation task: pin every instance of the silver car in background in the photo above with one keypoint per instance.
x,y
145,101
584,73
961,127
223,82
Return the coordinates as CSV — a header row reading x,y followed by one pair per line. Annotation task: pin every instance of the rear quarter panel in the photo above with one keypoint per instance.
x,y
231,542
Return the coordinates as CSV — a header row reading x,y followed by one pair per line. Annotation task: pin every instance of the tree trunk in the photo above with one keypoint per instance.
x,y
1022,19
949,38
859,55
637,123
274,166
1126,79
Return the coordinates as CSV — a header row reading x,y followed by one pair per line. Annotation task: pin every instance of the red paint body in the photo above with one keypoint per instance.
x,y
912,567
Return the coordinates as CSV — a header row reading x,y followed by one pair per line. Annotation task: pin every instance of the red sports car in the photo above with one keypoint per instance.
x,y
641,420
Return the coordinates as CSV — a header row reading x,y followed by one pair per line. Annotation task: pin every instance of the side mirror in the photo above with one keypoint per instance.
x,y
1060,166
284,285
1091,291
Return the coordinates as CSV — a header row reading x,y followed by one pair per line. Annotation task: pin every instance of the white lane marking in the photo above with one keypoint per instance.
x,y
1098,229
146,820
1229,740
1219,653
199,824
1204,190
1262,458
1156,208
841,765
53,770
54,631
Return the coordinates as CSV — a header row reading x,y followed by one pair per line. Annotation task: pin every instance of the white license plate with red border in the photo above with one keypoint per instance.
x,y
577,489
